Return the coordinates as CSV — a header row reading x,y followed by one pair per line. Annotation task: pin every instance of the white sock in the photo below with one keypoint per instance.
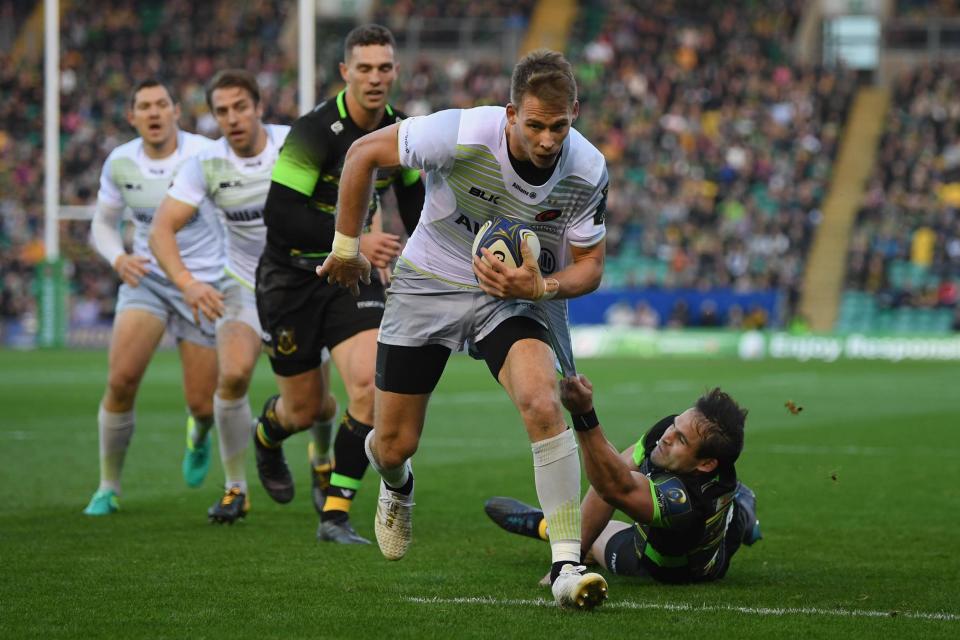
x,y
322,432
396,477
116,430
556,471
233,419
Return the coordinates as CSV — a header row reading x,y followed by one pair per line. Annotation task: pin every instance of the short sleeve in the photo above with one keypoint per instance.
x,y
190,184
302,155
429,142
588,228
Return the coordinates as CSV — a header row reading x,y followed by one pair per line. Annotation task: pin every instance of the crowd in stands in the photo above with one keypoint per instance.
x,y
719,148
927,9
905,246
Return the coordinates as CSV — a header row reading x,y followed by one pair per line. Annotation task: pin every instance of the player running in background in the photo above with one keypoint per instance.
x,y
234,174
678,483
136,175
524,162
301,314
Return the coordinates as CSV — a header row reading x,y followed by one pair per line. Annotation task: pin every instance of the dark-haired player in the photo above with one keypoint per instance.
x,y
678,483
300,314
136,176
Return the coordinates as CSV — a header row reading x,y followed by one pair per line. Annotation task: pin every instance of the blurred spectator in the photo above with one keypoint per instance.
x,y
646,316
619,314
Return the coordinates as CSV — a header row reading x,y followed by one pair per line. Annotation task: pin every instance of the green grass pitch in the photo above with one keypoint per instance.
x,y
859,498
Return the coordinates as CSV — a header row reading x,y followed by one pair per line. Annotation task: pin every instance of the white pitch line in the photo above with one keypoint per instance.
x,y
758,611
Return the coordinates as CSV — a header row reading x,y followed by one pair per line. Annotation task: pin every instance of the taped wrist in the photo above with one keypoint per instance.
x,y
345,247
551,287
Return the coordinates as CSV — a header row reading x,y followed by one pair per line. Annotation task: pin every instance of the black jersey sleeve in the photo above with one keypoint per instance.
x,y
672,503
410,194
302,156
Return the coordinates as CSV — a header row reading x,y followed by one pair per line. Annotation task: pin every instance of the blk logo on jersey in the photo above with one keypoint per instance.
x,y
226,184
548,215
132,186
492,198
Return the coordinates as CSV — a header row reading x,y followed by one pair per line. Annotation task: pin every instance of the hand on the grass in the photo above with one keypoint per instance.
x,y
203,298
131,268
576,394
346,273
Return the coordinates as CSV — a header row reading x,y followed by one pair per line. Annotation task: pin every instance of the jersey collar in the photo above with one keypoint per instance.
x,y
517,186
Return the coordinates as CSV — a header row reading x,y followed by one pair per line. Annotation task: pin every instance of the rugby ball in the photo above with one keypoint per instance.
x,y
502,237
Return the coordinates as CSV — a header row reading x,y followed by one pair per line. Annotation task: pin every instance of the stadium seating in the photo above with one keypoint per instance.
x,y
903,266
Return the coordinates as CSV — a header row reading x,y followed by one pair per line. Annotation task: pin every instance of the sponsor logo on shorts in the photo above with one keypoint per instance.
x,y
286,342
370,304
613,562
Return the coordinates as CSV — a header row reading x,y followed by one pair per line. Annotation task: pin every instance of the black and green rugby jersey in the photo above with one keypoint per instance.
x,y
301,205
684,541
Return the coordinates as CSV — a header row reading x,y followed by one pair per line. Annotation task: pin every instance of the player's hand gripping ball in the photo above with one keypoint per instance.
x,y
502,238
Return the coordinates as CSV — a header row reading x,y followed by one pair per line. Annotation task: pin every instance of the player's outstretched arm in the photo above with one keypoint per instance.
x,y
378,150
170,217
609,474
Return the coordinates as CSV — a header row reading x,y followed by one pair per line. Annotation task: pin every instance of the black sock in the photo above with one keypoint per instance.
x,y
557,566
407,487
350,463
269,431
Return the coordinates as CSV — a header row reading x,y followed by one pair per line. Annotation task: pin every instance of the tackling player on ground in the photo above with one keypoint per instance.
x,y
136,175
678,483
233,174
303,315
526,163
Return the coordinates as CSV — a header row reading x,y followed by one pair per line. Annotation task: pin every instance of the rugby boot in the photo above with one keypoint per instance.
x,y
574,588
339,531
272,468
231,507
516,517
103,503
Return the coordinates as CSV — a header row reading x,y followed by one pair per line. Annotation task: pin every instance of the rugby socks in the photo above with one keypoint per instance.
x,y
270,433
116,430
556,470
321,432
400,479
199,428
351,463
233,418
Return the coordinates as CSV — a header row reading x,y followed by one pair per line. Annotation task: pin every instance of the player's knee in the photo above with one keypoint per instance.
x,y
122,387
362,390
300,414
541,414
233,383
199,405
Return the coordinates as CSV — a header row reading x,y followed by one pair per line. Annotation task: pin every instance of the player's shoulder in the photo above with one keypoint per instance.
x,y
194,143
585,161
277,132
128,149
482,124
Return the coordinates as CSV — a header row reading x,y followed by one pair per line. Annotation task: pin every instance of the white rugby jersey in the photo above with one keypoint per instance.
x,y
132,179
469,180
238,187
